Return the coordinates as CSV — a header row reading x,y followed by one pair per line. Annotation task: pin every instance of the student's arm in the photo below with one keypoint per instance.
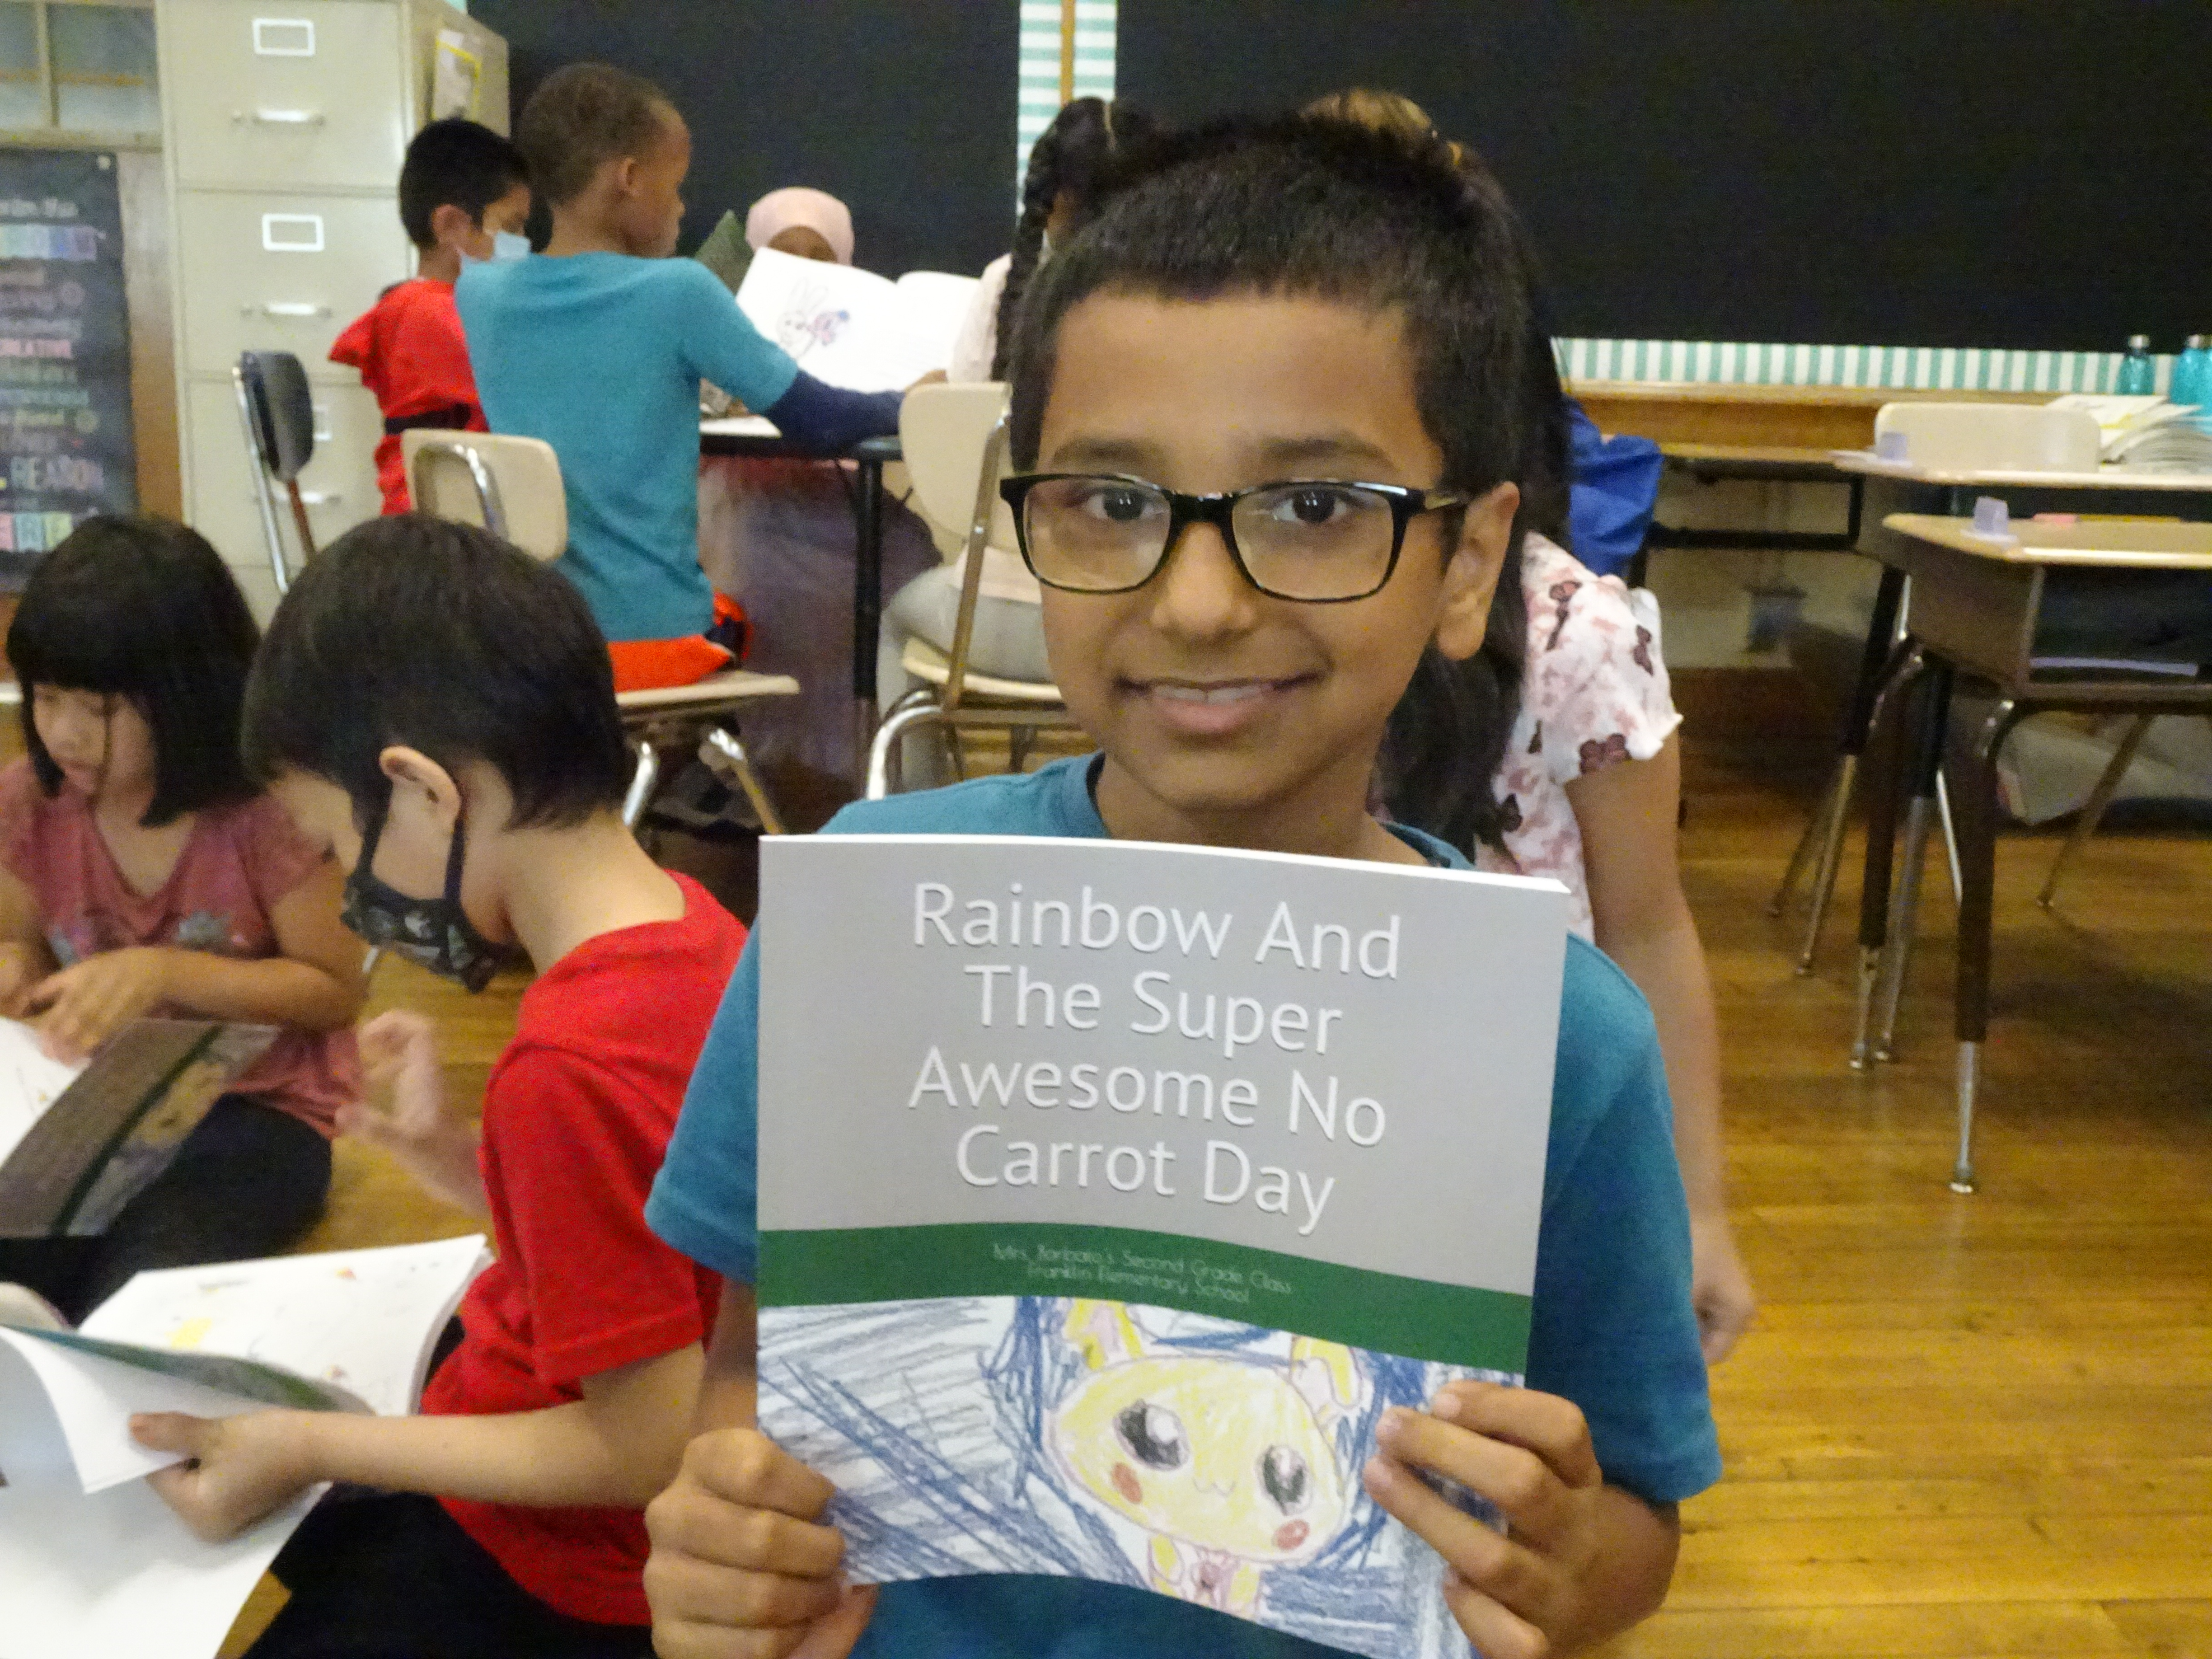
x,y
738,1549
316,984
725,348
1627,813
419,1125
24,958
1580,1560
617,1446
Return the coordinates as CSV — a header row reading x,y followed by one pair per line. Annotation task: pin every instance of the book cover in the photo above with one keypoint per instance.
x,y
1109,1193
76,1145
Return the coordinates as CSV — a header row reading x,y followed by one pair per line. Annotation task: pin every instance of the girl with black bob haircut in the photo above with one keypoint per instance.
x,y
1458,265
141,874
144,610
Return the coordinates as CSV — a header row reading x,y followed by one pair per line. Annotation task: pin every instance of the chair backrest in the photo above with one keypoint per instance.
x,y
1993,437
511,485
282,413
943,431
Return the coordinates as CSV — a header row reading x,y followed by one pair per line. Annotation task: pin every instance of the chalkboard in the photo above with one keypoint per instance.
x,y
66,443
1866,172
902,109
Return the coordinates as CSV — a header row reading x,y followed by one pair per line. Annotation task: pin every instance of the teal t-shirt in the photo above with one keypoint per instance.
x,y
1611,1326
601,355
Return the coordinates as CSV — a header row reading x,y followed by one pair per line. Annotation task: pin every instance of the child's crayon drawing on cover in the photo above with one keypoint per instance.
x,y
1202,1458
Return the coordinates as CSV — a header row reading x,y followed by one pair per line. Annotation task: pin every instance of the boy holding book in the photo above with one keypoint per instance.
x,y
1267,412
472,778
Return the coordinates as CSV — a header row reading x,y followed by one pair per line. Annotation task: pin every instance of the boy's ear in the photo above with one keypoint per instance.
x,y
1471,576
451,226
420,784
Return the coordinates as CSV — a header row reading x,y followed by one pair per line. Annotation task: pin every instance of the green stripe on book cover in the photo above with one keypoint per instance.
x,y
1413,1318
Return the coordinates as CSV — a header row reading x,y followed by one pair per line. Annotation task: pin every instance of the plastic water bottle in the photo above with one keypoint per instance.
x,y
2192,375
2138,376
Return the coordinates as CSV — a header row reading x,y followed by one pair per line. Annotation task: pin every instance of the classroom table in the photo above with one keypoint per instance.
x,y
1890,487
1977,600
755,437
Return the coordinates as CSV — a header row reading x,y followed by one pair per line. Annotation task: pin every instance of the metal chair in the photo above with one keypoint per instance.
x,y
278,416
954,441
512,487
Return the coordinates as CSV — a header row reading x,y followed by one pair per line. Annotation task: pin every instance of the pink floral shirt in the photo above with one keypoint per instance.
x,y
238,863
1594,694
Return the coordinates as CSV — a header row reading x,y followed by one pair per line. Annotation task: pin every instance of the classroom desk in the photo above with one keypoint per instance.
x,y
1710,463
1976,604
1888,487
1820,417
755,437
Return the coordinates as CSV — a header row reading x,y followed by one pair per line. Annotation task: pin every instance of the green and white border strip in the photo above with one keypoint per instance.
x,y
1037,96
1938,368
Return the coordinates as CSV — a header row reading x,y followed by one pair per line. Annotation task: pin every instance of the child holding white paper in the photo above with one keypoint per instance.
x,y
1268,410
141,872
438,711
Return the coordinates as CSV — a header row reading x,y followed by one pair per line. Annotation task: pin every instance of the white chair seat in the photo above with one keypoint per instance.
x,y
926,663
736,685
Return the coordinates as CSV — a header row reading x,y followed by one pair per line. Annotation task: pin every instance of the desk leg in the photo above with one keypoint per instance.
x,y
867,602
1885,762
1974,763
1878,664
1926,769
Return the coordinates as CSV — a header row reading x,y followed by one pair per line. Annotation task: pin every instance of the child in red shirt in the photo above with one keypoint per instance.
x,y
476,797
463,194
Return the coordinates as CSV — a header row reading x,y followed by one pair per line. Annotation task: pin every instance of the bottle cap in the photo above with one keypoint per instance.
x,y
2194,343
2139,342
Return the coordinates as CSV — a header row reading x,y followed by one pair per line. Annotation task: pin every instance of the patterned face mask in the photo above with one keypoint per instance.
x,y
435,933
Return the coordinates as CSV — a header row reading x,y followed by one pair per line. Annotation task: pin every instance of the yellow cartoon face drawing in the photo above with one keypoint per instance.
x,y
1228,1462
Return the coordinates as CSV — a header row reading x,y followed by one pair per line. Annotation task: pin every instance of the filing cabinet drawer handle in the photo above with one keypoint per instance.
x,y
285,308
278,118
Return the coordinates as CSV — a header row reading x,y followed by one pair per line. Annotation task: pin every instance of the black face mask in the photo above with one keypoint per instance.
x,y
434,933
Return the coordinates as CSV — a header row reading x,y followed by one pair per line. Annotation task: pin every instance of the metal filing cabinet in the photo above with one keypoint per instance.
x,y
284,126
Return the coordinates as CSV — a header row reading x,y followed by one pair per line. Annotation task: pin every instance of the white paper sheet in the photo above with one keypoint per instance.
x,y
853,328
30,1081
365,1320
116,1573
92,1400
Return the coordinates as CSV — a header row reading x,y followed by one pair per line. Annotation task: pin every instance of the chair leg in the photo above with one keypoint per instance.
x,y
1018,738
725,755
1962,1171
1815,828
2093,810
1838,820
1931,712
638,795
1950,833
884,778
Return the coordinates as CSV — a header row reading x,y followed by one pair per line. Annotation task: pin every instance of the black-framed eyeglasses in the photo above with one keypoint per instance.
x,y
1316,540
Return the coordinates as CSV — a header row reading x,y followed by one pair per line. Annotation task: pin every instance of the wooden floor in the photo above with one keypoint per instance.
x,y
1964,1426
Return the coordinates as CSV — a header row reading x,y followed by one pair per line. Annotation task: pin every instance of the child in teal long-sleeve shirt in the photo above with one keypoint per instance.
x,y
599,347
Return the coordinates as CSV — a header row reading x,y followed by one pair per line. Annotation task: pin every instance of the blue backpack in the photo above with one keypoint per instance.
x,y
1615,486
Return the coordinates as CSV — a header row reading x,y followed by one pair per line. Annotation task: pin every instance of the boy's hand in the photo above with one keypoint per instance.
x,y
740,1569
1720,1289
1541,1588
21,967
239,1471
437,1145
82,1007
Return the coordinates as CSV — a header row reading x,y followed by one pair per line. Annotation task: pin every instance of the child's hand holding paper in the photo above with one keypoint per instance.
x,y
237,1470
81,1006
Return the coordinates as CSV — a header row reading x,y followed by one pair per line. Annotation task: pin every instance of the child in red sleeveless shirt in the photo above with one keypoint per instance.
x,y
439,711
140,872
463,194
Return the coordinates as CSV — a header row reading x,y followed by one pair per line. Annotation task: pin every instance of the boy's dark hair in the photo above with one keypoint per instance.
x,y
414,630
1321,208
582,117
1071,158
143,608
458,162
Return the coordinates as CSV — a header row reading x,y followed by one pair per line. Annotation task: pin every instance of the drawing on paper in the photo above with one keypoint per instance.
x,y
1202,1458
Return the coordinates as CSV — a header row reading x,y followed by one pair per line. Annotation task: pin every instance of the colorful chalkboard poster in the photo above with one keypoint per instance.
x,y
66,443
